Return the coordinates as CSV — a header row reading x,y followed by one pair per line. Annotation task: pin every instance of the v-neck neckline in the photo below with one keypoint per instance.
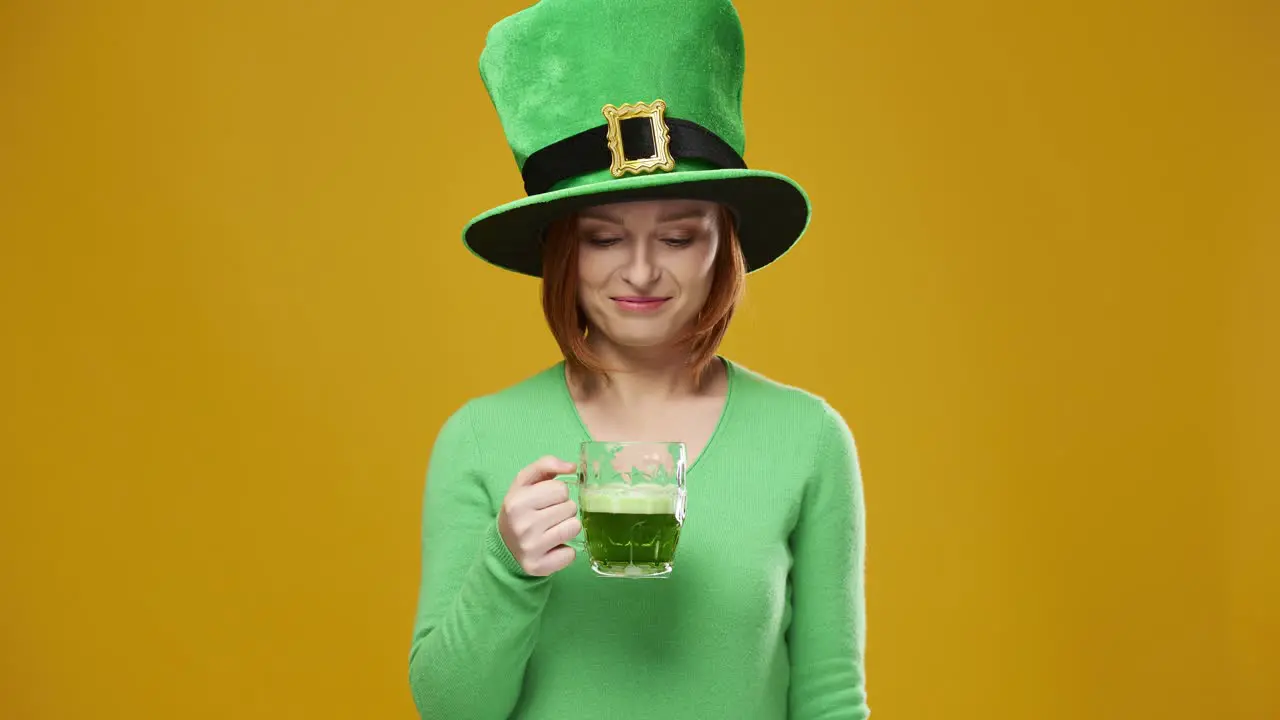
x,y
731,381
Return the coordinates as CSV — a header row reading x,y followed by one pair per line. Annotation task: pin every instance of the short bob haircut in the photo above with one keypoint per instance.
x,y
569,323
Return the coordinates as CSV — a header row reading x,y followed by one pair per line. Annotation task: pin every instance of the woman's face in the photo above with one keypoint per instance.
x,y
645,268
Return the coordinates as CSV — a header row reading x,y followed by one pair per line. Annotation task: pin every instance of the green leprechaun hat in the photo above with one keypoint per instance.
x,y
613,100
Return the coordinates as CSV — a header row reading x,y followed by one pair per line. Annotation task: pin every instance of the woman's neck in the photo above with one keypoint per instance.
x,y
639,378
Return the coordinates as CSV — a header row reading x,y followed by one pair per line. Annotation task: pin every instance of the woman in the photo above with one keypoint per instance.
x,y
642,221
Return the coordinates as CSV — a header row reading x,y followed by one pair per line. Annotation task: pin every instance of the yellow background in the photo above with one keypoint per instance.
x,y
1040,284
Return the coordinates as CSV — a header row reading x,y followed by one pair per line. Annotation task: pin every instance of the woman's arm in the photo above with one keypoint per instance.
x,y
827,637
478,612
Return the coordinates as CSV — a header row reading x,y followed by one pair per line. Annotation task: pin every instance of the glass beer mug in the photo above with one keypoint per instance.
x,y
631,500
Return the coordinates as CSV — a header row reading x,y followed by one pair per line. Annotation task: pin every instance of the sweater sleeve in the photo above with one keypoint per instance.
x,y
478,612
827,636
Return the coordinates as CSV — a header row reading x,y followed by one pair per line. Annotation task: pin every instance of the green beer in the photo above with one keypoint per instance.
x,y
632,530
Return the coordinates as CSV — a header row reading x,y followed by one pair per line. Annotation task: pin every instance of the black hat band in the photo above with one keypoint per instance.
x,y
631,142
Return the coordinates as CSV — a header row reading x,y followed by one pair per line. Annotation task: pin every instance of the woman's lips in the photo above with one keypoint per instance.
x,y
640,304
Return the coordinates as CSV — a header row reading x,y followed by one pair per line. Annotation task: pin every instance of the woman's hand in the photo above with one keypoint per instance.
x,y
537,518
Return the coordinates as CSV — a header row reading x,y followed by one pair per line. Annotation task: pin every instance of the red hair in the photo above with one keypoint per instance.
x,y
568,322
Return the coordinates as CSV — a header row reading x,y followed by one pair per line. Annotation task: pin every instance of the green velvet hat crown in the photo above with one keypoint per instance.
x,y
609,101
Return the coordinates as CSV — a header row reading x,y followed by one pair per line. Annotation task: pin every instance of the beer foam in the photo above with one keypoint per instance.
x,y
638,499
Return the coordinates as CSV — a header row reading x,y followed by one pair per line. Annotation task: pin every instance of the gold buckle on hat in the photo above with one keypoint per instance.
x,y
661,158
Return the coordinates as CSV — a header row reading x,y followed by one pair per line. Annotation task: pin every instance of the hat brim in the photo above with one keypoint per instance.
x,y
772,210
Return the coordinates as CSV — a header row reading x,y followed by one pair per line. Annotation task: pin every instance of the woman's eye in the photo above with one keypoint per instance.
x,y
604,241
677,241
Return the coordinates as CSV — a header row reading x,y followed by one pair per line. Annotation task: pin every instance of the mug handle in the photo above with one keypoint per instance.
x,y
573,482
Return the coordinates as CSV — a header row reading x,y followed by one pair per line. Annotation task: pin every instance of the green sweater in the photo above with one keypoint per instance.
x,y
763,616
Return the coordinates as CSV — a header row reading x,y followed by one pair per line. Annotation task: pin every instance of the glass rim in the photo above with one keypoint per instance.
x,y
585,443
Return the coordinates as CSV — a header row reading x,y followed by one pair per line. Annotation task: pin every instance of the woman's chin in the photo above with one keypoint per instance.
x,y
640,341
